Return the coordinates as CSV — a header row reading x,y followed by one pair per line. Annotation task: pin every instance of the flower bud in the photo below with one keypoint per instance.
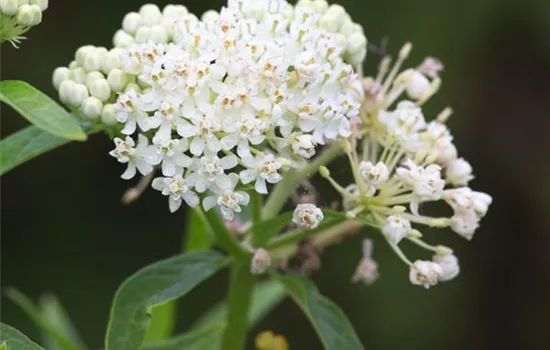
x,y
150,15
307,215
92,60
9,7
110,61
65,88
100,89
143,34
373,174
60,74
448,264
78,74
396,228
465,224
366,271
131,22
323,171
117,80
158,35
459,172
29,15
417,86
261,261
425,273
356,42
174,11
43,4
108,115
91,108
76,93
303,146
122,39
93,76
81,54
481,202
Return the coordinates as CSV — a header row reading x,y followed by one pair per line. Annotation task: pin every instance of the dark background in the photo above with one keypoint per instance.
x,y
65,231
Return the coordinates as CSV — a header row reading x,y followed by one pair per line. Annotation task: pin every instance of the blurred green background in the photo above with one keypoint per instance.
x,y
65,231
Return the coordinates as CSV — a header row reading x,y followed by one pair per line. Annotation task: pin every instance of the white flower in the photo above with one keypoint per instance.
x,y
262,168
127,111
429,185
137,157
404,121
465,224
448,264
170,153
424,273
210,170
203,132
227,198
396,228
307,215
303,146
459,172
261,261
464,200
366,271
177,188
373,175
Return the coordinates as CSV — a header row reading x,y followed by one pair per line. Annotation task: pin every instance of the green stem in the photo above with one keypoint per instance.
x,y
297,235
256,206
293,178
223,237
241,285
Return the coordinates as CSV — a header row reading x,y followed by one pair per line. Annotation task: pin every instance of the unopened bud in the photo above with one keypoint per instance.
x,y
60,74
442,250
158,35
117,80
91,108
110,61
93,76
131,22
78,75
43,4
100,89
9,7
108,115
261,261
29,15
405,51
323,171
122,39
150,14
414,233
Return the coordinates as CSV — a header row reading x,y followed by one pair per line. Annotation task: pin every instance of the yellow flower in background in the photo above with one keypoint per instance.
x,y
267,340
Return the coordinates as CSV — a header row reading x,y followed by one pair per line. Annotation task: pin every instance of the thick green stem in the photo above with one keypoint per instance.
x,y
293,178
256,206
241,285
223,236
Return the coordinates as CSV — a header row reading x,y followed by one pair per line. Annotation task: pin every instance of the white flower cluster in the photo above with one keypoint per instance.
x,y
232,99
400,160
18,16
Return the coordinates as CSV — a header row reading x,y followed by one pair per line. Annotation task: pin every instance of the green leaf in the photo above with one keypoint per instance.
x,y
53,313
266,296
197,237
27,144
154,285
40,110
263,231
201,339
61,340
12,339
197,233
331,324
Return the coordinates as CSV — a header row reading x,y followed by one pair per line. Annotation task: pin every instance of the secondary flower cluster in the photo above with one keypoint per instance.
x,y
18,16
232,99
399,161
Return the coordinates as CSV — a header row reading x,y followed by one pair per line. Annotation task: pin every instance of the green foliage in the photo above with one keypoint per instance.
x,y
11,338
27,144
197,237
331,324
201,339
154,285
265,297
40,110
57,333
264,230
54,314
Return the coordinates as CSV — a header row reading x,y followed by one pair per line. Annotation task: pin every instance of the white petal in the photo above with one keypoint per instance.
x,y
245,197
187,130
209,202
168,168
130,172
174,204
159,183
191,199
129,127
197,146
247,176
260,185
229,161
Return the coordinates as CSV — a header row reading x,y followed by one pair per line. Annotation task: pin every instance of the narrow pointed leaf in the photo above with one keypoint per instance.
x,y
27,144
40,110
266,296
61,341
154,285
201,339
11,338
331,324
53,313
